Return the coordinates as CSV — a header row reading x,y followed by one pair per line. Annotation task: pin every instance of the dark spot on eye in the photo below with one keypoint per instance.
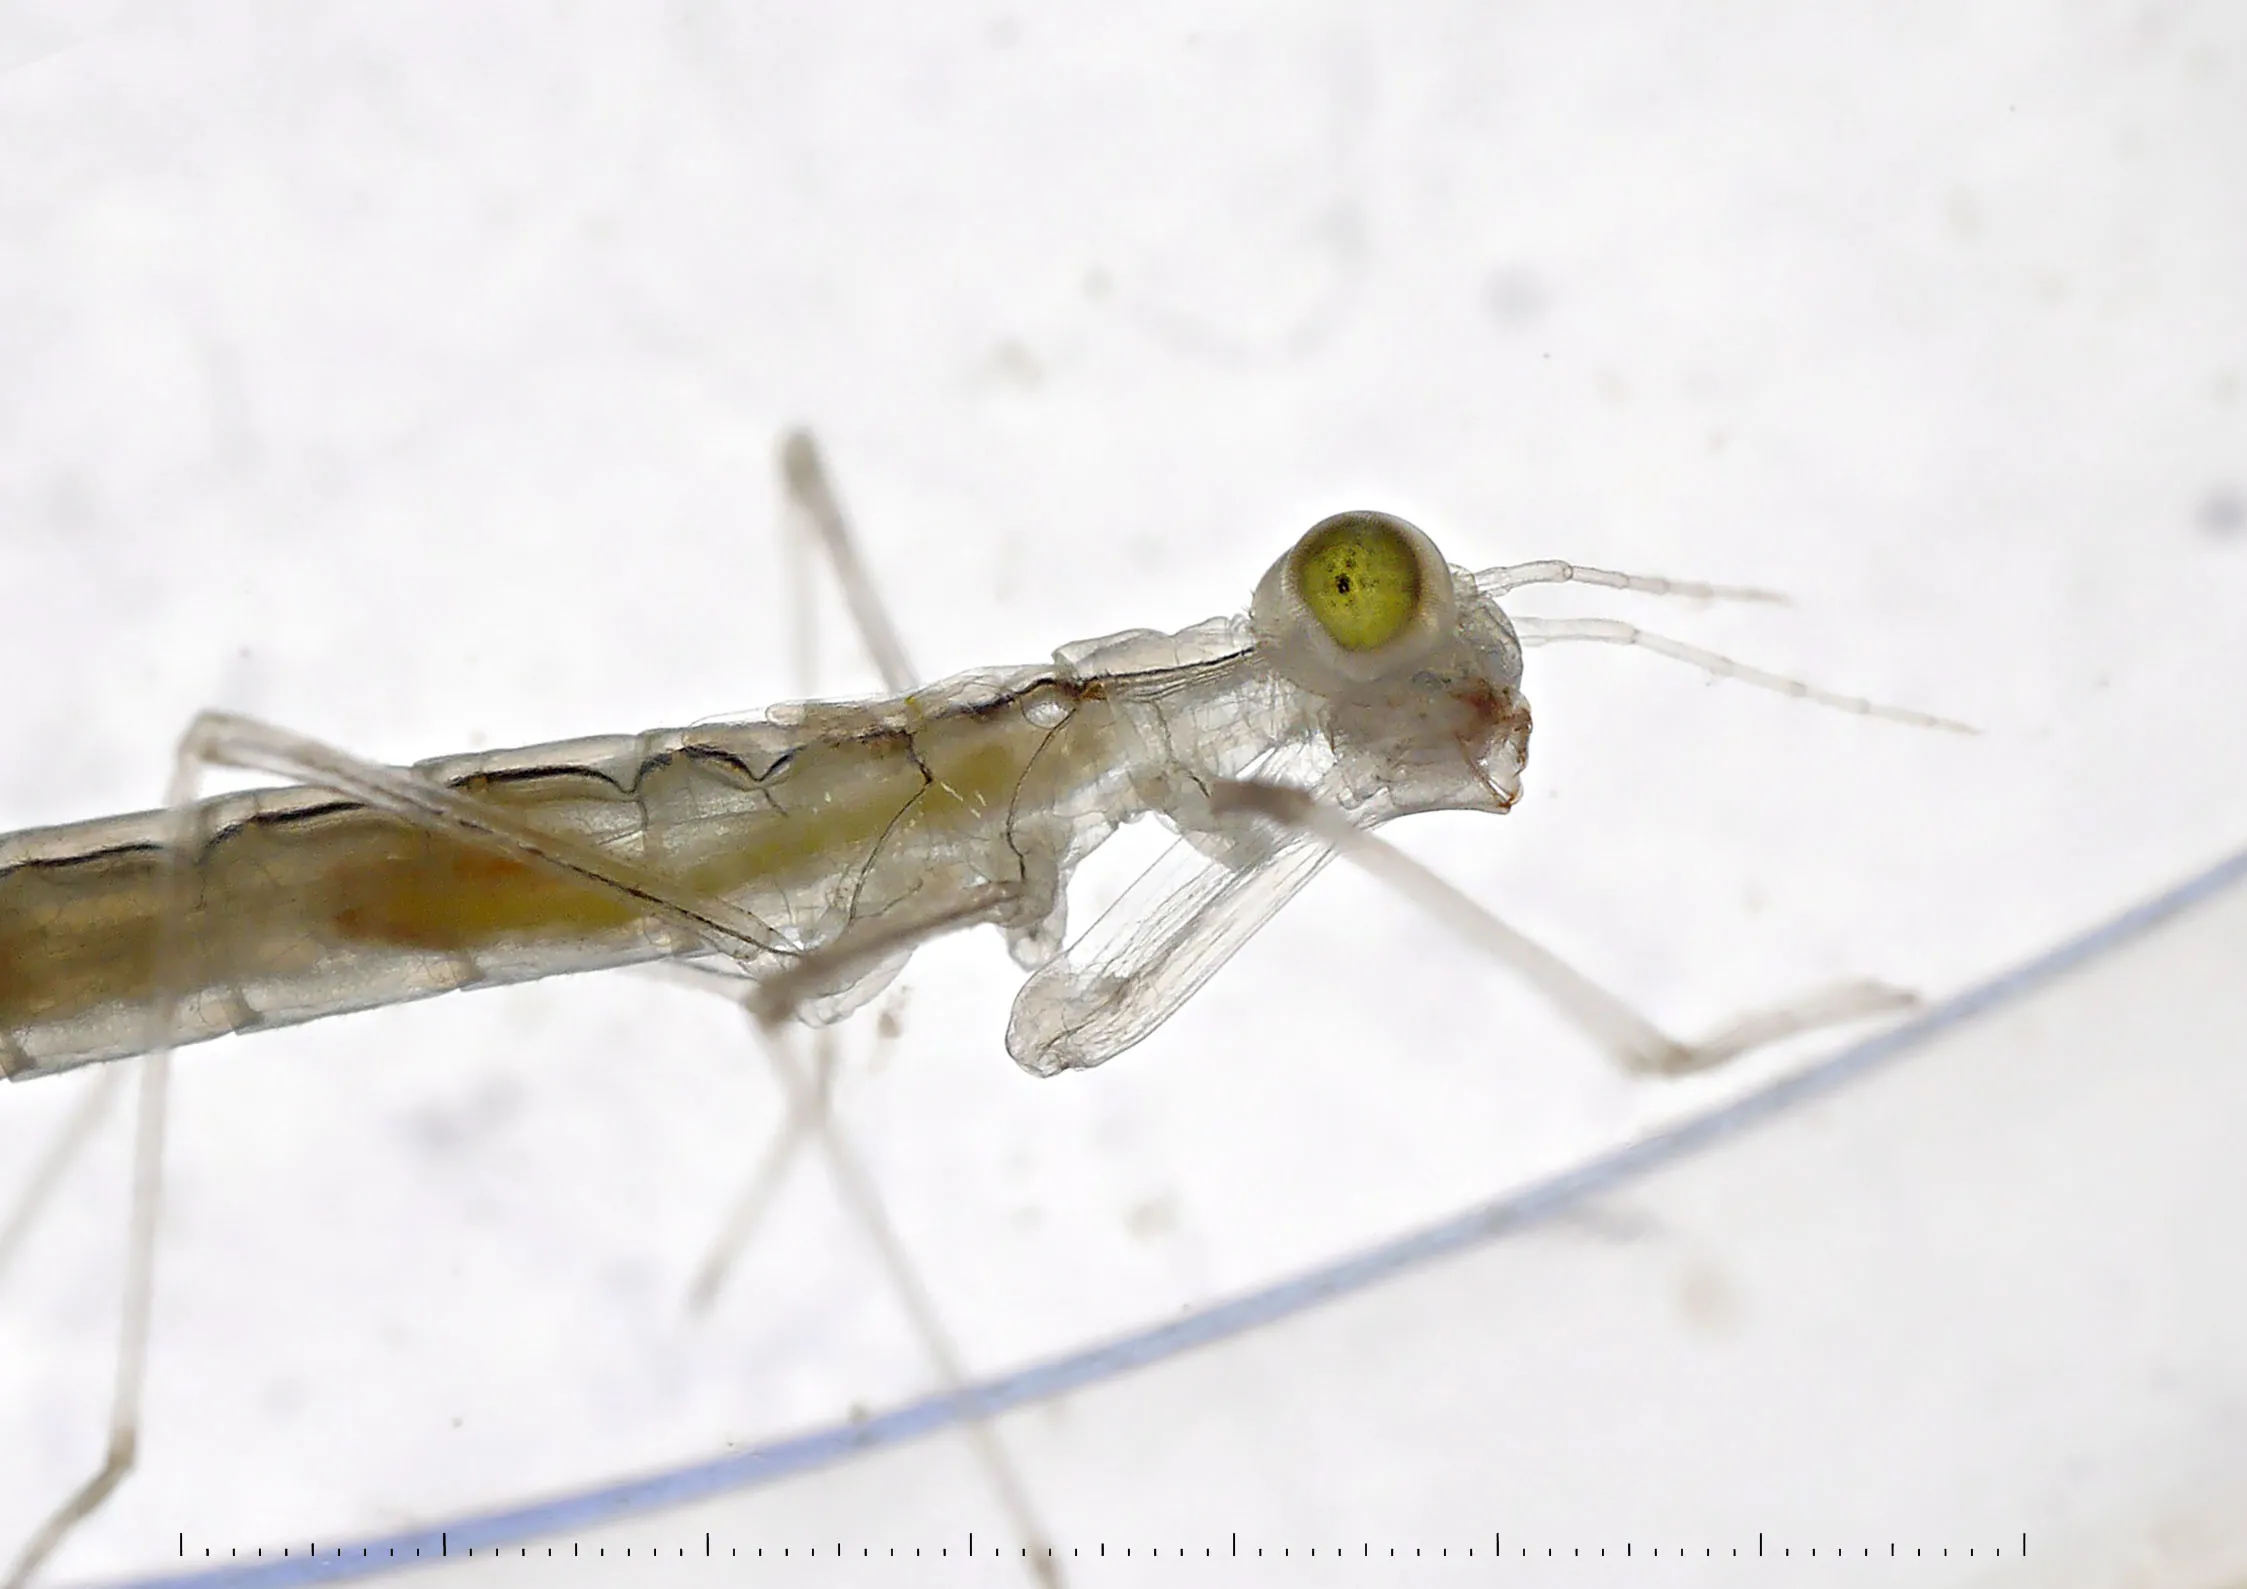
x,y
1341,584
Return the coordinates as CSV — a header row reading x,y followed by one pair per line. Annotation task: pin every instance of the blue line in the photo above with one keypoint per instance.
x,y
1058,1376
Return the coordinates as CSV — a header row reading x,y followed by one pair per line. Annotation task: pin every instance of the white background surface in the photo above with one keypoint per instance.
x,y
408,375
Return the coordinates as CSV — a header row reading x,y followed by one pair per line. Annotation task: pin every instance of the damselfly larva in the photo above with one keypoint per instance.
x,y
825,839
806,853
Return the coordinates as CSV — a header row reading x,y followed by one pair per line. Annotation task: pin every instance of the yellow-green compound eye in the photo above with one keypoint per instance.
x,y
1358,575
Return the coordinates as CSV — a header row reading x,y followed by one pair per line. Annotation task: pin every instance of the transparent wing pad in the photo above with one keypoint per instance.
x,y
1150,951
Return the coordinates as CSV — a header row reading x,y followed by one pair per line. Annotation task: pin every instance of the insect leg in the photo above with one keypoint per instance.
x,y
132,1344
1634,1042
147,1191
811,516
811,501
815,516
863,1198
65,1147
764,1181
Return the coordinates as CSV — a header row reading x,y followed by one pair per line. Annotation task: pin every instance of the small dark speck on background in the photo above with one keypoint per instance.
x,y
2223,513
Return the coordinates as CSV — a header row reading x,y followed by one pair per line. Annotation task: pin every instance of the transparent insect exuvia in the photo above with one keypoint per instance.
x,y
813,848
806,853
